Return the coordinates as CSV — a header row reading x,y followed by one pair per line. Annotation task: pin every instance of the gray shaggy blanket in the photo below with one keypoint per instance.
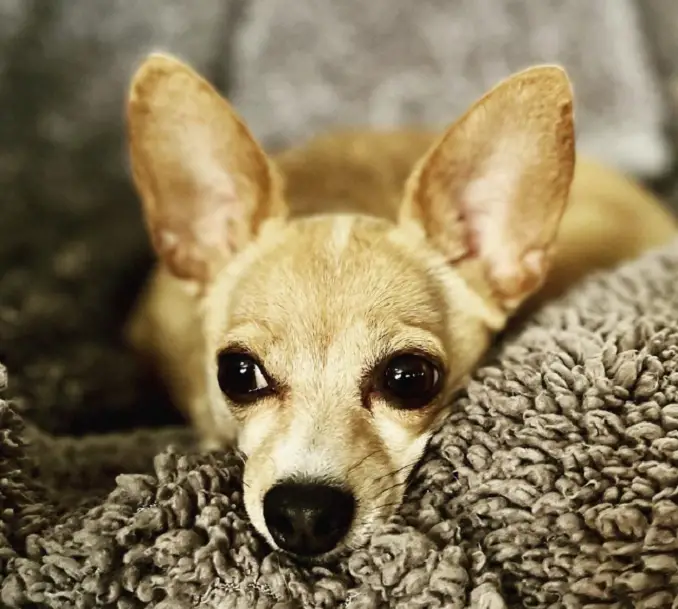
x,y
553,484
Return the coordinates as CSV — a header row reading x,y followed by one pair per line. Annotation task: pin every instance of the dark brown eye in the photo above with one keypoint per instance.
x,y
410,381
241,378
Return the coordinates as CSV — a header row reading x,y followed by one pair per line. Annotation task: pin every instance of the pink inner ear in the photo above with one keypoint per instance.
x,y
192,246
179,253
511,212
486,203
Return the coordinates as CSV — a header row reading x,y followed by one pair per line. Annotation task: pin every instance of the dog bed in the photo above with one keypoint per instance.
x,y
553,484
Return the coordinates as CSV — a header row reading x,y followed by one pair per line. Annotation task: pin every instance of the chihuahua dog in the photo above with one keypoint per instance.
x,y
319,308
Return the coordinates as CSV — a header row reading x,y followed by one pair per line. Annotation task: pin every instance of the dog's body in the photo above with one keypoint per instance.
x,y
367,262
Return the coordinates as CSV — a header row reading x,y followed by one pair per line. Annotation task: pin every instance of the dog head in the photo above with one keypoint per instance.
x,y
333,342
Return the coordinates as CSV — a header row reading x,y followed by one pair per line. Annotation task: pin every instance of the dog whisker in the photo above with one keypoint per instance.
x,y
396,471
242,457
361,461
385,505
387,489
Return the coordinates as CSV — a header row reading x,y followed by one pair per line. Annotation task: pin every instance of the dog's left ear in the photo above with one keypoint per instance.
x,y
205,184
493,189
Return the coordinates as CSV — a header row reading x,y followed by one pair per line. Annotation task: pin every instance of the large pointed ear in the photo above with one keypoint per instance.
x,y
493,189
205,184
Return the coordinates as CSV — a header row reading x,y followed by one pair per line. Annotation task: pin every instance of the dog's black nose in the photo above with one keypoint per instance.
x,y
308,519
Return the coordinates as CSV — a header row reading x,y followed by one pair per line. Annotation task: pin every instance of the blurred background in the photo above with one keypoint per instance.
x,y
72,248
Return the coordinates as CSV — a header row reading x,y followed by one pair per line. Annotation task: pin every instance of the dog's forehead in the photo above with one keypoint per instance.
x,y
330,274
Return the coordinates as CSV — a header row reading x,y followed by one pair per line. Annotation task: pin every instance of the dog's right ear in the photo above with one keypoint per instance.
x,y
206,185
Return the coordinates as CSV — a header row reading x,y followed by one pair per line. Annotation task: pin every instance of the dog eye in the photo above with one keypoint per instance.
x,y
241,378
410,380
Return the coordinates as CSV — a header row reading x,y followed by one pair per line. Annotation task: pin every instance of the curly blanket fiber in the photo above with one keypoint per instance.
x,y
553,484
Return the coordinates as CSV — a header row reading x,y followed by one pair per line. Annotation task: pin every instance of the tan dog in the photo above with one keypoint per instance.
x,y
321,308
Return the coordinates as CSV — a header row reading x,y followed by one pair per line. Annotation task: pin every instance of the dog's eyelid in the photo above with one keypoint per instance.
x,y
432,355
238,348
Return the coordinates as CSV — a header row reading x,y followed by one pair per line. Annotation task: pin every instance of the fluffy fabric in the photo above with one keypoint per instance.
x,y
553,484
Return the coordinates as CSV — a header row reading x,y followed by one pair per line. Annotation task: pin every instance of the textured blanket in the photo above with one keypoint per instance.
x,y
553,484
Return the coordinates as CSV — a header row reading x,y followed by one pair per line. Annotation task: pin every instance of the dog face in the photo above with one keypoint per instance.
x,y
333,342
341,373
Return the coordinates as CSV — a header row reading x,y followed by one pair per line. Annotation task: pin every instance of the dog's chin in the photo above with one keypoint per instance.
x,y
358,537
354,542
321,559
